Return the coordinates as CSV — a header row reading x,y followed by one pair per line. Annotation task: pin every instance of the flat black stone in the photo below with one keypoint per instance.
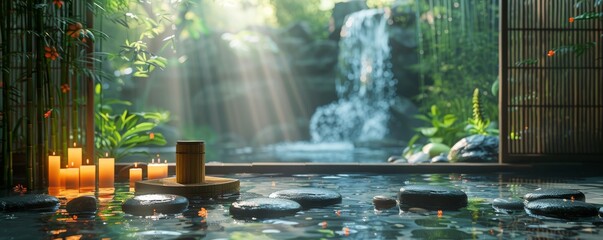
x,y
508,204
264,208
29,202
145,205
309,197
84,205
555,193
431,197
561,208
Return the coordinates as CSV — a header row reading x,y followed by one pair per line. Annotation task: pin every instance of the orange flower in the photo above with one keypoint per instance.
x,y
47,114
20,189
551,53
58,3
571,19
440,213
51,53
202,213
151,136
346,231
65,88
75,30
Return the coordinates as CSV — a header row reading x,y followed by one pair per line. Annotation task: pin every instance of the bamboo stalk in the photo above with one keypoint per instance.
x,y
6,113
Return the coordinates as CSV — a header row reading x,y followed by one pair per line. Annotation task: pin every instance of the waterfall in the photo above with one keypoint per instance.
x,y
365,85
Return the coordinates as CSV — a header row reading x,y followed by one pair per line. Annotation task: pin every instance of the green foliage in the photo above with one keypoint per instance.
x,y
478,124
118,134
290,11
443,128
458,53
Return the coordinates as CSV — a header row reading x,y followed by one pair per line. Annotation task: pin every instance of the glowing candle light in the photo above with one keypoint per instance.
x,y
165,169
154,170
87,176
106,172
135,174
63,176
72,178
74,155
54,168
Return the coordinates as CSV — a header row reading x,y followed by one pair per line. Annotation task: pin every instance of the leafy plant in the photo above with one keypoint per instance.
x,y
478,124
443,128
118,134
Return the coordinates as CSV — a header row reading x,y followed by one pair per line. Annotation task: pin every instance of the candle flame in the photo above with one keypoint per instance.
x,y
106,154
440,213
73,144
87,160
135,164
152,160
53,153
72,164
165,161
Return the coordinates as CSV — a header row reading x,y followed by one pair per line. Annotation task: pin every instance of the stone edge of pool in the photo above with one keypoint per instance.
x,y
384,168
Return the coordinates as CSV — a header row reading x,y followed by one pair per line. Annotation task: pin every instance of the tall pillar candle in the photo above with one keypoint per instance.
x,y
87,176
190,162
54,168
74,155
135,175
106,172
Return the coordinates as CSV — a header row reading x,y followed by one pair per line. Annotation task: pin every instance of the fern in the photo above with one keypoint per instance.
x,y
478,124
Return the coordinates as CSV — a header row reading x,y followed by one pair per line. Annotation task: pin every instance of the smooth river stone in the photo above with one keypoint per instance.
x,y
309,197
29,202
145,205
264,208
383,202
82,205
431,197
561,208
508,204
554,193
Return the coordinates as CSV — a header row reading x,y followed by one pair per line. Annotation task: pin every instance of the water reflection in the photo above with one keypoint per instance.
x,y
355,217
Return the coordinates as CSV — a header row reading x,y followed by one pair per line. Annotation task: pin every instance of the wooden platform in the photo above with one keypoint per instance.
x,y
213,186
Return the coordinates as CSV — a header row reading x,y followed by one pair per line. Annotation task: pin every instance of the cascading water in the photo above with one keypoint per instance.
x,y
365,87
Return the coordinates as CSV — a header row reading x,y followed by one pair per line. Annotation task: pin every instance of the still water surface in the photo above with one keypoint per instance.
x,y
354,218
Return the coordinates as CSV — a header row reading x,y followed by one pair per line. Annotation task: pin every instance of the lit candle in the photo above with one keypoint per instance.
x,y
72,178
135,174
54,167
63,176
154,170
87,176
106,172
74,155
164,168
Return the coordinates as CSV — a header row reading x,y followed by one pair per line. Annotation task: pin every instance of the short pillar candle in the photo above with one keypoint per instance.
x,y
135,175
72,178
190,162
87,176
